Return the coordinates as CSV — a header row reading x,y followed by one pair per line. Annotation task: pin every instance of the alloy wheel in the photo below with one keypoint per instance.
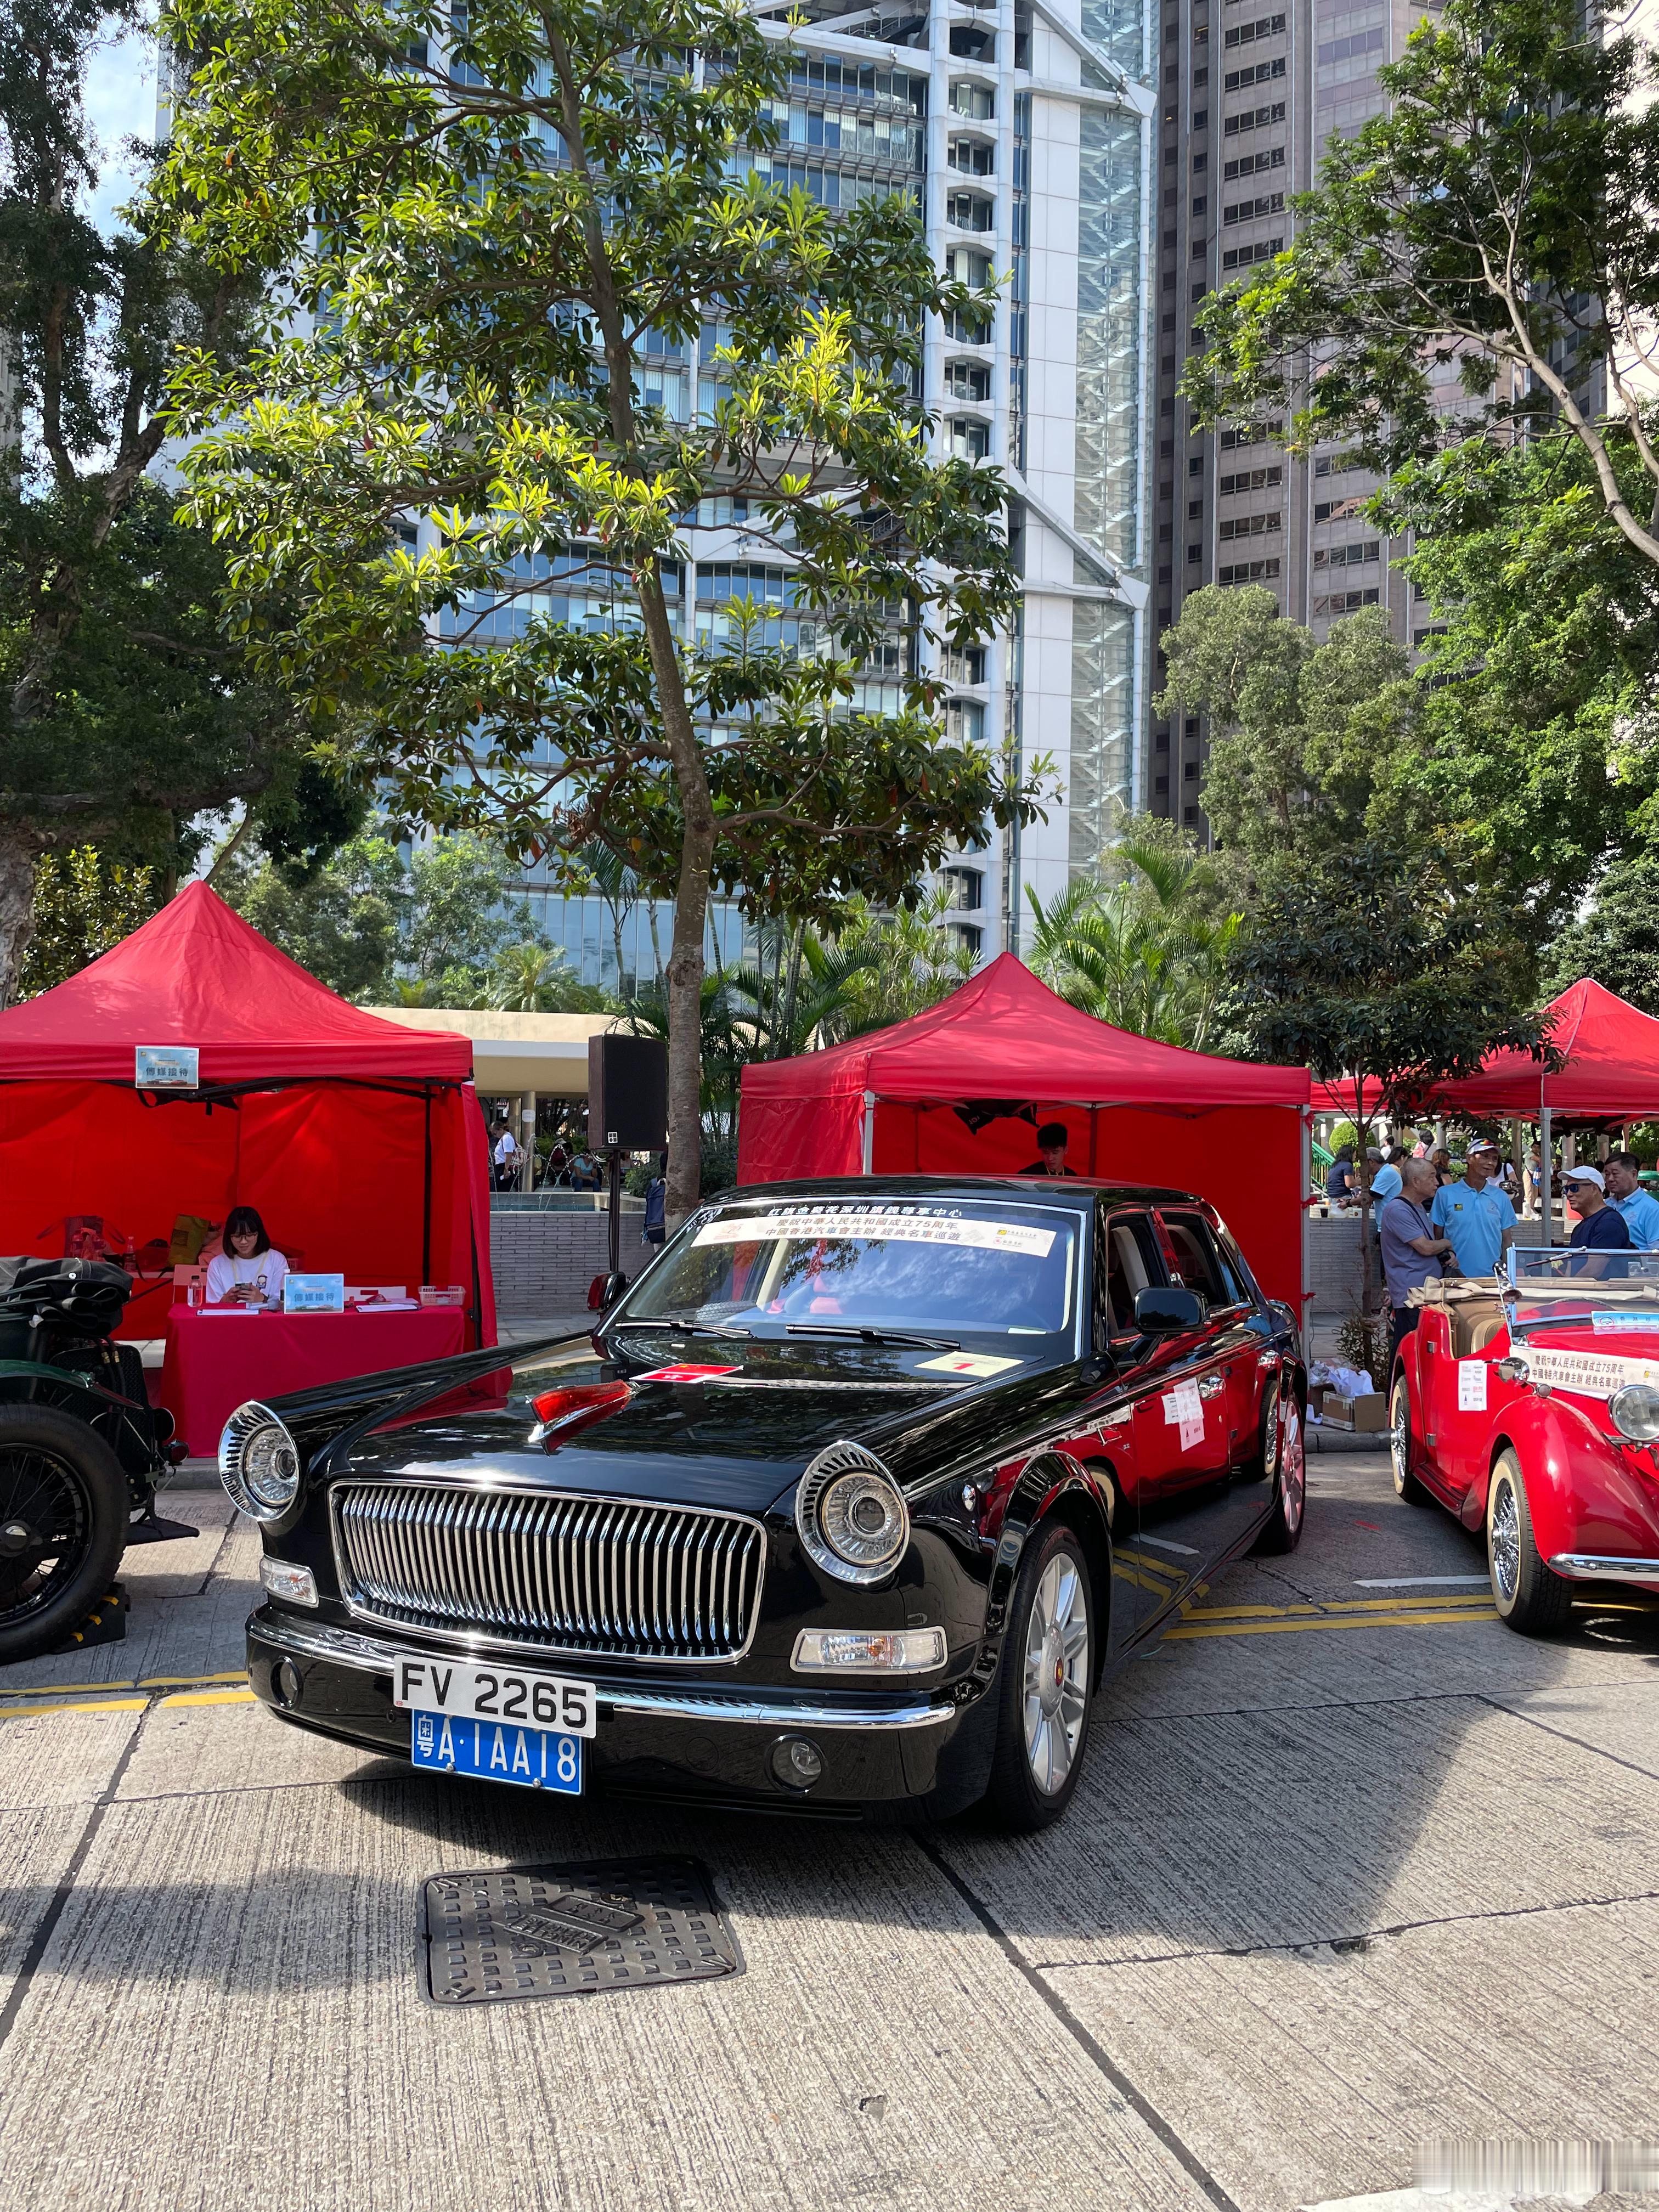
x,y
1056,1673
1292,1468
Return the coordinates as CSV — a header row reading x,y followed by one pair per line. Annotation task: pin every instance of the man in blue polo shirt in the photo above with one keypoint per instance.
x,y
1474,1215
1627,1195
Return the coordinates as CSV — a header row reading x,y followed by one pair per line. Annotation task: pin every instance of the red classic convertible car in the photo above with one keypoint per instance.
x,y
1531,1409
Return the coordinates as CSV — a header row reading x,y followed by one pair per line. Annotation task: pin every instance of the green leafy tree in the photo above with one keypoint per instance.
x,y
342,921
895,965
83,906
1617,940
533,978
1380,964
1541,750
1498,223
503,227
1144,947
1303,735
124,709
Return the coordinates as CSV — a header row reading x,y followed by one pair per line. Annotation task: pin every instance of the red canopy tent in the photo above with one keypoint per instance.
x,y
958,1091
361,1142
1609,1069
1609,1066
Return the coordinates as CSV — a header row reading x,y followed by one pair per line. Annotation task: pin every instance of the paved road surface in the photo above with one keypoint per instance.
x,y
1352,1867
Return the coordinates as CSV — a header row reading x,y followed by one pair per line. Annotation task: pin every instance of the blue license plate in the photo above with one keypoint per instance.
x,y
497,1752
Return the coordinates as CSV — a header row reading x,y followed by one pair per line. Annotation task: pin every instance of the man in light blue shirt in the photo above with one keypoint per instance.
x,y
1624,1192
1474,1215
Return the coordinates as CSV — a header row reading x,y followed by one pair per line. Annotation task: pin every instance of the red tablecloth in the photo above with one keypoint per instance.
x,y
214,1362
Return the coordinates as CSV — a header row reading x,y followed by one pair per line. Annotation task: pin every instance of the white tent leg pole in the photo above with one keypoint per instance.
x,y
1545,1198
867,1161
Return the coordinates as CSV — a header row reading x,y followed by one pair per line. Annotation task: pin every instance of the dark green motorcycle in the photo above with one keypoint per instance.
x,y
81,1448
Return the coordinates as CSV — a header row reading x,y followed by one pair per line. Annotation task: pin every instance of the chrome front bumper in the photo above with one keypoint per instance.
x,y
372,1655
1587,1567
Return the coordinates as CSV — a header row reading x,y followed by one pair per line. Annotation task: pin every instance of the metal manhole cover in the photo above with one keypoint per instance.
x,y
563,1932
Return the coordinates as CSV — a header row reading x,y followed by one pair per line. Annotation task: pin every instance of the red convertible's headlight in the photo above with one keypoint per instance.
x,y
1634,1411
574,1407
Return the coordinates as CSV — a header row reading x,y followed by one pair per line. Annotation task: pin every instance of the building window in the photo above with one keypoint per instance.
x,y
1349,556
976,101
966,887
1249,571
964,721
968,380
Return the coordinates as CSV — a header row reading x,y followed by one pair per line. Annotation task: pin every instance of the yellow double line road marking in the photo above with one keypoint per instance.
x,y
1198,1622
180,1690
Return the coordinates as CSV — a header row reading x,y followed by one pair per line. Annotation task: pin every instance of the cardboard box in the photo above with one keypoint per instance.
x,y
1366,1417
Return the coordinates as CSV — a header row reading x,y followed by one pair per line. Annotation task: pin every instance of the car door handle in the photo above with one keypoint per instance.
x,y
1210,1386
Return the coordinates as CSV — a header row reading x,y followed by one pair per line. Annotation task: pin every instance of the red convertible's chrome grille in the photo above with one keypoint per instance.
x,y
566,1573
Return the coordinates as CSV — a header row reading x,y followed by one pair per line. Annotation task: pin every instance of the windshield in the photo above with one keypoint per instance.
x,y
1610,1289
840,1266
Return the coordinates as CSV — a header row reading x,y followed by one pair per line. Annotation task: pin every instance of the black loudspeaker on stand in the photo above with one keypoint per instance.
x,y
627,1112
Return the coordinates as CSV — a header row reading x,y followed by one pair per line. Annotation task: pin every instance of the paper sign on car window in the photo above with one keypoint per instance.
x,y
966,1363
1471,1386
977,1235
1623,1324
1183,1405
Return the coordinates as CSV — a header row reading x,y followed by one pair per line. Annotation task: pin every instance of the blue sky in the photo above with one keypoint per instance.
x,y
120,105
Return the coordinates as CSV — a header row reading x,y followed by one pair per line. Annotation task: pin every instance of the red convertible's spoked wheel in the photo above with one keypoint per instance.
x,y
1527,1595
1284,1530
64,1516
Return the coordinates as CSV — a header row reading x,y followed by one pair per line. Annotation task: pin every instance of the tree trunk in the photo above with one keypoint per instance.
x,y
685,975
17,909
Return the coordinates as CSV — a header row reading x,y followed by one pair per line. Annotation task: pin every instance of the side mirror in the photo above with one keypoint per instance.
x,y
1159,1311
603,1292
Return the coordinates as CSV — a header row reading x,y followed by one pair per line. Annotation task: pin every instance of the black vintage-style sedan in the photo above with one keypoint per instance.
x,y
850,1504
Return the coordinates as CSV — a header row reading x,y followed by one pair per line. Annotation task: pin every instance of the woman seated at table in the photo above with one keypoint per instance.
x,y
249,1272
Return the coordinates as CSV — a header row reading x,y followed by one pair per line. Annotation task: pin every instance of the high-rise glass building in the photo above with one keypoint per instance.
x,y
1026,134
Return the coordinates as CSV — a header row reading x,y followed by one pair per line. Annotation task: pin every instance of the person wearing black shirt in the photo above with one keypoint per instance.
x,y
1600,1228
1051,1143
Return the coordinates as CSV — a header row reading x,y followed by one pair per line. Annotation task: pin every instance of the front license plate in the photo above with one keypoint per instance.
x,y
461,1691
497,1752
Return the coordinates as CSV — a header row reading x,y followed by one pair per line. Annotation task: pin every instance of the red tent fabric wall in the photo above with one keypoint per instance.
x,y
335,1153
1233,1131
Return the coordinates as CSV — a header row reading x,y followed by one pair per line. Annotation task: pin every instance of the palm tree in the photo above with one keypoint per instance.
x,y
527,979
1142,949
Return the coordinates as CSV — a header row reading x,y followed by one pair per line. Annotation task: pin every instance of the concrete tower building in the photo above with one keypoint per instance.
x,y
1250,91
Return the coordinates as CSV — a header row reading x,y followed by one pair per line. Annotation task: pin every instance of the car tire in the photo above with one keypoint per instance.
x,y
1406,1487
1045,1686
64,1520
1282,1531
1528,1597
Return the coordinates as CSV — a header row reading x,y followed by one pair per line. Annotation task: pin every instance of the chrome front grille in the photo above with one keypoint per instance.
x,y
542,1568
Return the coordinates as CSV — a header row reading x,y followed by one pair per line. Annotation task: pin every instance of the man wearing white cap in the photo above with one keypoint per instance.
x,y
1600,1226
1475,1215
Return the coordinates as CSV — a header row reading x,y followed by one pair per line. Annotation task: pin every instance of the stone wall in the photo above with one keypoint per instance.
x,y
1334,1264
543,1263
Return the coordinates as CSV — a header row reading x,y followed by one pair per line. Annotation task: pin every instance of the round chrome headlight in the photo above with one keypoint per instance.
x,y
1634,1411
258,1462
850,1515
